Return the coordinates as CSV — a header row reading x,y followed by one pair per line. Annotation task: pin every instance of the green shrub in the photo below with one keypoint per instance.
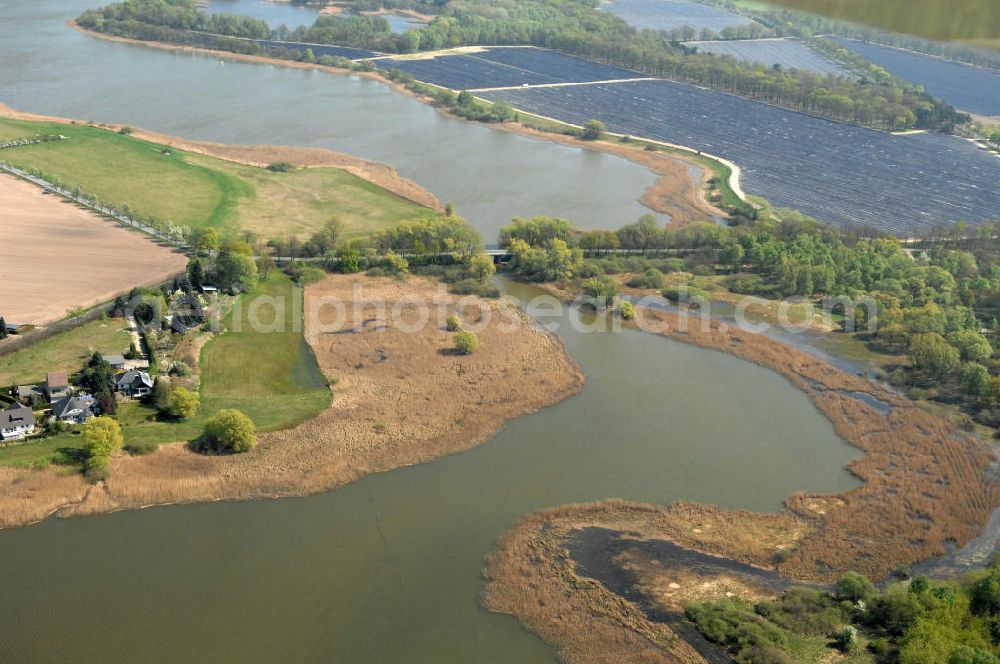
x,y
474,287
466,343
179,368
593,130
183,404
281,167
846,638
804,611
590,268
744,284
855,587
879,646
686,294
732,624
229,431
651,278
141,448
453,324
627,310
603,290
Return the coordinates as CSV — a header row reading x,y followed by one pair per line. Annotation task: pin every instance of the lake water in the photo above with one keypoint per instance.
x,y
489,175
387,569
274,13
293,15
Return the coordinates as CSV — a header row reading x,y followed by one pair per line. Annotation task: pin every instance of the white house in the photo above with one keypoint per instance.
x,y
72,410
16,422
134,383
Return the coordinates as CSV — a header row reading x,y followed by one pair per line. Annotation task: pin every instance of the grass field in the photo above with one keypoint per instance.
x,y
63,352
300,202
122,170
272,377
198,191
41,453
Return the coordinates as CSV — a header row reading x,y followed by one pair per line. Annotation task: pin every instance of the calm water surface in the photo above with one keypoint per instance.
x,y
274,13
490,175
387,569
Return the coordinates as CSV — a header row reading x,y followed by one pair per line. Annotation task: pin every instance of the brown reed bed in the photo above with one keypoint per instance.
x,y
926,486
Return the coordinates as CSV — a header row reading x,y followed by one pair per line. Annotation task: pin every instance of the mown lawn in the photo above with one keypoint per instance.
x,y
271,376
40,453
199,191
302,201
67,351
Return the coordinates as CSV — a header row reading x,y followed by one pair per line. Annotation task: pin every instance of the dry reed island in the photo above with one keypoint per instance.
x,y
393,404
929,487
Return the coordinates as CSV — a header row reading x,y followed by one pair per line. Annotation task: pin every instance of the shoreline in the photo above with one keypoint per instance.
x,y
668,195
362,432
926,487
652,197
377,173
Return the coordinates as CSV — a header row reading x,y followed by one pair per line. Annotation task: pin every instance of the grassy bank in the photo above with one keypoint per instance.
x,y
271,376
194,190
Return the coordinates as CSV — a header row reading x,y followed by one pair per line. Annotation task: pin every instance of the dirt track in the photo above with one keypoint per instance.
x,y
55,256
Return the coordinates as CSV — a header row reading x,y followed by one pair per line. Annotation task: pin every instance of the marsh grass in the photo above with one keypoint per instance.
x,y
927,486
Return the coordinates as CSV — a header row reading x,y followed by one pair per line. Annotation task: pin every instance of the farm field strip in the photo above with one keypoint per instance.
x,y
673,14
972,89
788,53
65,257
507,68
835,172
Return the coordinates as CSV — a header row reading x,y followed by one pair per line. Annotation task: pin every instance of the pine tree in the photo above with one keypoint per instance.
x,y
3,328
196,273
